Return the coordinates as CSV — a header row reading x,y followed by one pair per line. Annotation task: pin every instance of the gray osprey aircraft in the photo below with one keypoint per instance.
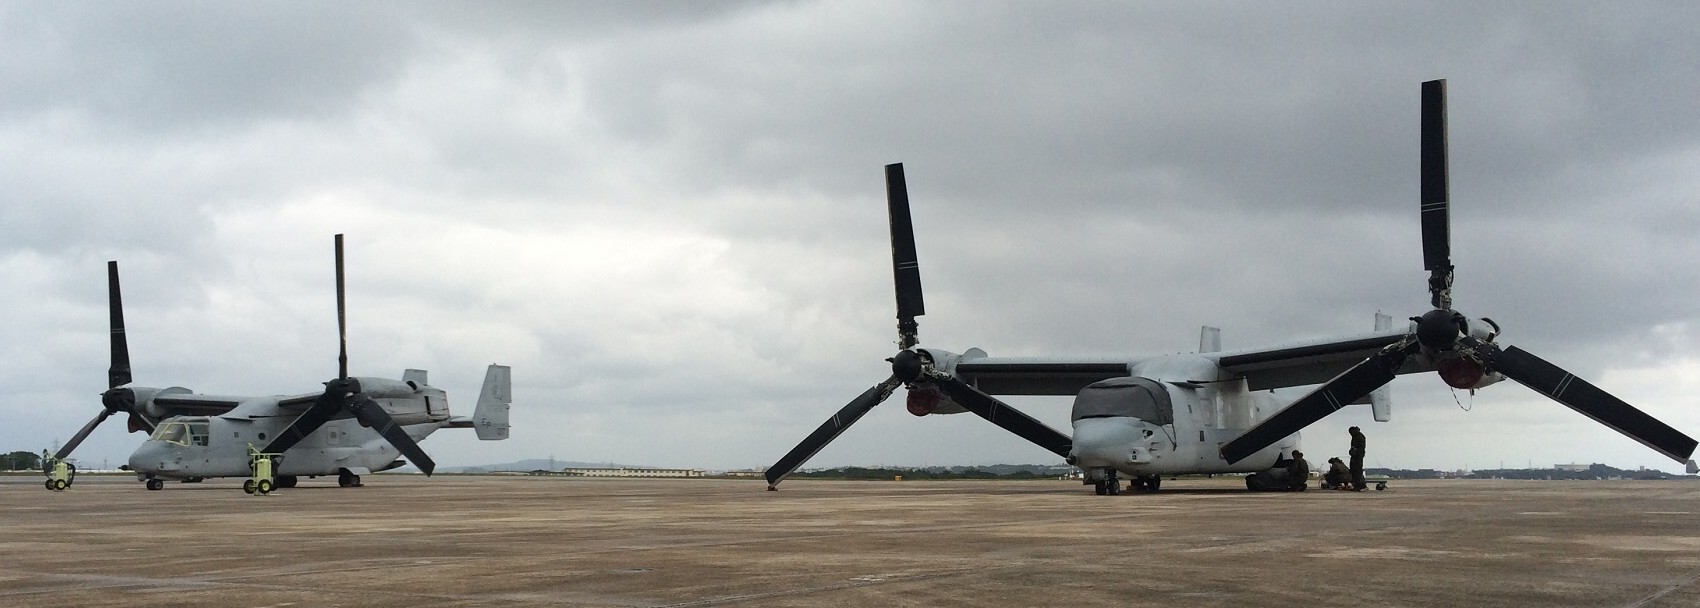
x,y
1213,411
353,427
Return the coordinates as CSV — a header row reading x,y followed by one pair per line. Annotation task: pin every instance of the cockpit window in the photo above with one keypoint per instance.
x,y
182,432
1130,396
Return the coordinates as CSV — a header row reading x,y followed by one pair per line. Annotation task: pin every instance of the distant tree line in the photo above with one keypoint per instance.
x,y
925,473
1594,471
20,461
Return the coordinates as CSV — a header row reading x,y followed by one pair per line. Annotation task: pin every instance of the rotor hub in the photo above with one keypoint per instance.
x,y
907,365
1438,330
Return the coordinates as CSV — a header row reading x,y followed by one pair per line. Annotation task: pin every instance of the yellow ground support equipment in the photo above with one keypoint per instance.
x,y
60,474
261,464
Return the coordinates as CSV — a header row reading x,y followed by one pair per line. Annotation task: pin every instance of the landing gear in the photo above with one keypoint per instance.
x,y
286,481
156,484
347,479
1146,483
1109,485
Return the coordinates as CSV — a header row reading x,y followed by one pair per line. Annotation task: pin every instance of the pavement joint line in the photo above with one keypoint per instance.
x,y
1663,592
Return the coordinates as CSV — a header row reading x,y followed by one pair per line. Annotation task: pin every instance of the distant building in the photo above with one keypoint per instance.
x,y
1572,467
632,472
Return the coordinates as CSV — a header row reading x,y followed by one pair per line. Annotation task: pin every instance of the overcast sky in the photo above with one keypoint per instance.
x,y
669,218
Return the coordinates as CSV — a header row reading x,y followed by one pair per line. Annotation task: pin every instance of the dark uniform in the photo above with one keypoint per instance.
x,y
1298,472
1337,476
1357,454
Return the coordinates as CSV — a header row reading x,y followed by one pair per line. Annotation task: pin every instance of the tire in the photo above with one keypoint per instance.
x,y
60,485
264,487
286,481
155,484
49,484
248,486
1101,490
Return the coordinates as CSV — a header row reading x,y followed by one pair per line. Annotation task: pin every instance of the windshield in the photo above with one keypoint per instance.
x,y
1131,396
182,431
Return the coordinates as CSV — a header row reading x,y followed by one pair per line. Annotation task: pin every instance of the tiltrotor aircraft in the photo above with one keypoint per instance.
x,y
355,426
1214,412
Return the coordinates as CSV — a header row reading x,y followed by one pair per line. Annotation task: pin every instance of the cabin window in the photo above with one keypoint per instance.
x,y
197,432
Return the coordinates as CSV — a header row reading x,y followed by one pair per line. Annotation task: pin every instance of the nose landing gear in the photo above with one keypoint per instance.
x,y
1108,485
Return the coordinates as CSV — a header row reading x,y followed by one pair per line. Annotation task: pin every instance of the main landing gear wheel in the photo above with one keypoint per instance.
x,y
1147,483
155,484
248,486
286,481
347,480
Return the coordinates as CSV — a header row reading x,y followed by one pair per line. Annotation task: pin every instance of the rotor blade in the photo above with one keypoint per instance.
x,y
325,407
119,374
1351,385
78,438
906,267
1006,416
1587,399
369,412
341,317
829,430
1437,227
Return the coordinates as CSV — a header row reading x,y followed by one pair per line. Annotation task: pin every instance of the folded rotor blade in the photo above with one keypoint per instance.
x,y
1345,388
1006,416
1587,399
119,374
906,267
829,430
341,317
1437,248
78,438
322,410
369,412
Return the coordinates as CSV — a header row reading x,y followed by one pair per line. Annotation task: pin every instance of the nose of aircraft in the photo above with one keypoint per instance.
x,y
150,457
1104,442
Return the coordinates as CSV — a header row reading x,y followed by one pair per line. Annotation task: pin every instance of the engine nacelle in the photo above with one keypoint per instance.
x,y
1462,373
145,401
924,400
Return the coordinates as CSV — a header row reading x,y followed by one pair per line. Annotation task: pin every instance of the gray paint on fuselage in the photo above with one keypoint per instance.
x,y
341,443
1208,412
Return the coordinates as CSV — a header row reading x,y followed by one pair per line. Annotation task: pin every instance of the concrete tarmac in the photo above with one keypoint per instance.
x,y
405,540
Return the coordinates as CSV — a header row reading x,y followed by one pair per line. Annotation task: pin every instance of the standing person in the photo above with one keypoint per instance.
x,y
1357,454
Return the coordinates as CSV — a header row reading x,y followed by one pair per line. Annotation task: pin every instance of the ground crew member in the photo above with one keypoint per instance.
x,y
1337,476
1298,472
1357,454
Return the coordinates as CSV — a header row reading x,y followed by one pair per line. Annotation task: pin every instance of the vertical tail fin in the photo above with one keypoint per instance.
x,y
1381,399
490,418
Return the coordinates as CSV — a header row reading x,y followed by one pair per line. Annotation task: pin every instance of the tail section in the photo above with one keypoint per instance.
x,y
490,418
1381,399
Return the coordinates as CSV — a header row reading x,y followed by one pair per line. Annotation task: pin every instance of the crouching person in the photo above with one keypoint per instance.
x,y
1287,475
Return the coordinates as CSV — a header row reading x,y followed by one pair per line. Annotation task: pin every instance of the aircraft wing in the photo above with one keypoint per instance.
x,y
1310,362
1038,375
190,404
